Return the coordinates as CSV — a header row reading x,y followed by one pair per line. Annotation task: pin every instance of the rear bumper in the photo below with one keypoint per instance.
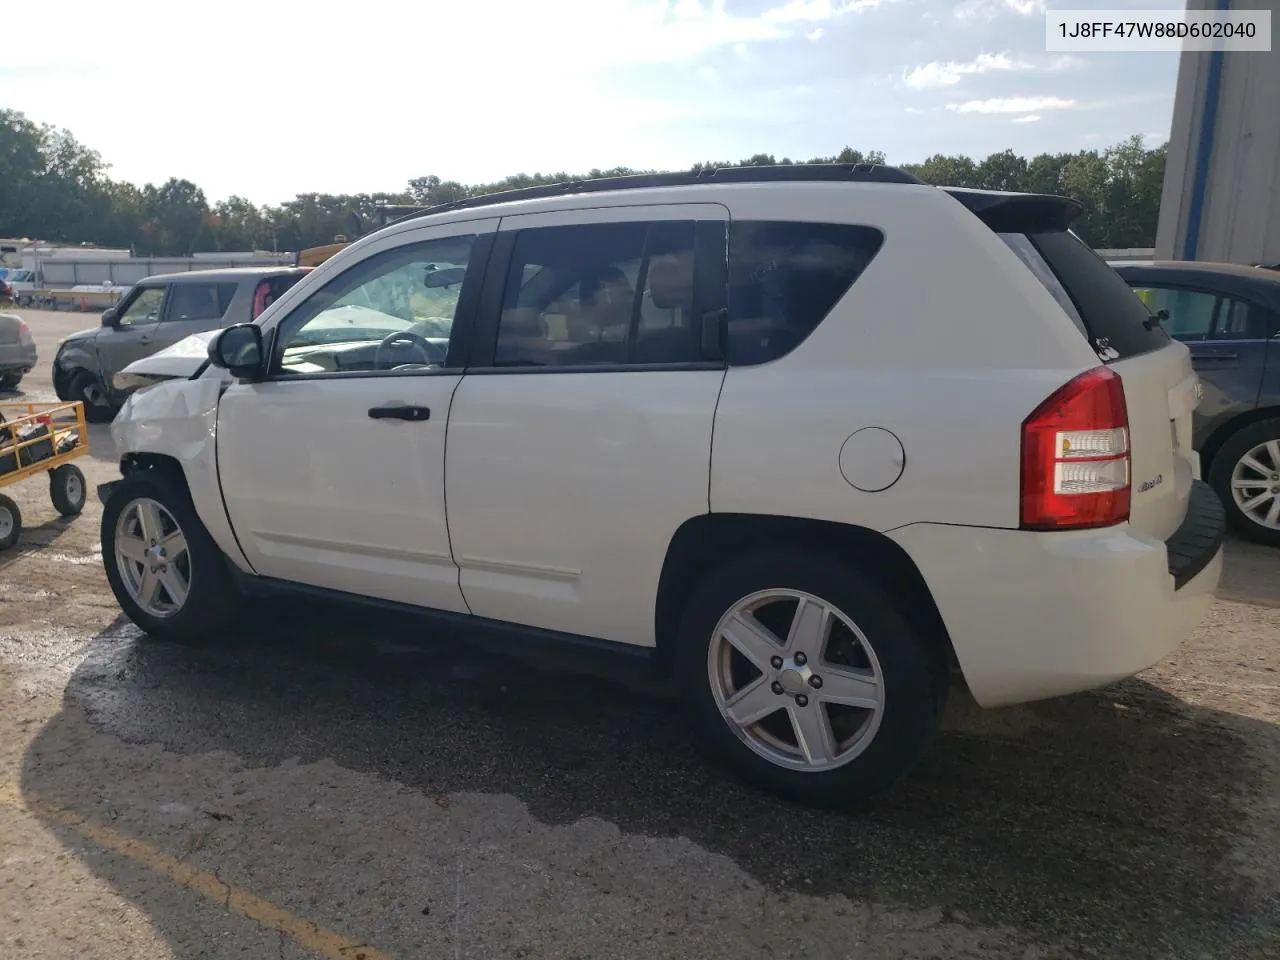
x,y
18,356
1035,615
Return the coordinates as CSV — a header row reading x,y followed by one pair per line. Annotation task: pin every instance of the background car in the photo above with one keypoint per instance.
x,y
17,350
1228,315
156,313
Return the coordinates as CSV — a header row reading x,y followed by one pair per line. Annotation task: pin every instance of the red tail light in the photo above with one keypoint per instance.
x,y
1075,456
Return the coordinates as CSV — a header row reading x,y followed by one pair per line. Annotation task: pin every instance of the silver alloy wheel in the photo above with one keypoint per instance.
x,y
796,680
73,488
6,522
152,558
1255,484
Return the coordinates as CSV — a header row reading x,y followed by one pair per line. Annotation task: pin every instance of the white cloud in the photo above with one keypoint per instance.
x,y
815,11
814,34
1029,118
1011,105
948,74
990,9
1068,61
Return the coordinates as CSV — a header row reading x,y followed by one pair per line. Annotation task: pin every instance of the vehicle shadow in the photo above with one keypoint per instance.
x,y
1102,822
37,537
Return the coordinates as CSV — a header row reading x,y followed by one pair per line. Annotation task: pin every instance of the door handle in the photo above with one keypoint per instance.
x,y
400,411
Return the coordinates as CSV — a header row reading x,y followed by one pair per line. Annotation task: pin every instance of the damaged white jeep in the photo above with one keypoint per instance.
x,y
807,440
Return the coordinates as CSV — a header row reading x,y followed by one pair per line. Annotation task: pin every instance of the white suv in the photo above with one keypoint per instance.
x,y
806,439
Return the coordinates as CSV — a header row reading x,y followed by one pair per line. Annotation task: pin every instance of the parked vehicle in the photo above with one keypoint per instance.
x,y
803,438
17,350
1229,316
157,313
21,285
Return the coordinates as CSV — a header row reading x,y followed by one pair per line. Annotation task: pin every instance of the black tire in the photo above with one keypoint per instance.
x,y
68,489
913,675
10,522
81,384
212,601
10,381
1224,463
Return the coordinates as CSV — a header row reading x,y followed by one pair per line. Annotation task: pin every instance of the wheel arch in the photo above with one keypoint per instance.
x,y
1224,431
704,542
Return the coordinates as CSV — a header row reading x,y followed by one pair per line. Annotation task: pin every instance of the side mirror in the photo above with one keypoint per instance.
x,y
238,350
109,317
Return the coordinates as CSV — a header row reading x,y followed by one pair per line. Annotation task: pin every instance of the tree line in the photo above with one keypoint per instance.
x,y
54,188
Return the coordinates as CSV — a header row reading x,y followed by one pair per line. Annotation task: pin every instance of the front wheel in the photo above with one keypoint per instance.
x,y
806,678
1246,475
85,387
165,570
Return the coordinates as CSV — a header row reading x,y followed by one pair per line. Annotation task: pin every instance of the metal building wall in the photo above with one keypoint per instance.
x,y
1221,198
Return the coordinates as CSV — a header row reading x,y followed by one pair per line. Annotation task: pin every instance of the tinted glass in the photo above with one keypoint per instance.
x,y
200,301
1191,312
393,311
784,278
1117,322
1234,321
610,293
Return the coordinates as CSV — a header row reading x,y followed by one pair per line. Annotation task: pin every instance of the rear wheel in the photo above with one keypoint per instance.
x,y
806,678
10,381
1246,475
85,387
10,522
165,570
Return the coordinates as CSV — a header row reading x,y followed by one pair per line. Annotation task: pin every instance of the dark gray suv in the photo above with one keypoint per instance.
x,y
156,313
1229,316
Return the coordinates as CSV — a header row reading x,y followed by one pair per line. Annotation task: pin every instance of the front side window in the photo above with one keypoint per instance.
x,y
785,277
142,309
1190,313
608,293
393,311
200,301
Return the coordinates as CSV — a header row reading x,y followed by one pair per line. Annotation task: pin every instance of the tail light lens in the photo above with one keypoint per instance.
x,y
1075,456
260,301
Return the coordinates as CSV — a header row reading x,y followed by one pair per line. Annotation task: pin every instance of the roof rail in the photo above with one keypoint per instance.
x,y
779,173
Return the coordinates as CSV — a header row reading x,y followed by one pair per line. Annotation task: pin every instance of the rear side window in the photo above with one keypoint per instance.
x,y
200,301
1099,301
784,278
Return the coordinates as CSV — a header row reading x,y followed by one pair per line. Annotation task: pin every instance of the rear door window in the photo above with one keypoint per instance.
x,y
1102,305
200,301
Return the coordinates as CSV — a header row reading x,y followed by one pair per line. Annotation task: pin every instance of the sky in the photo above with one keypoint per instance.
x,y
268,99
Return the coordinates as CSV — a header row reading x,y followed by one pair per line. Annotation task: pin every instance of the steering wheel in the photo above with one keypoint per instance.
x,y
432,355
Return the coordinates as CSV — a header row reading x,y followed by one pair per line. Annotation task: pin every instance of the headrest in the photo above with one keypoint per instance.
x,y
671,280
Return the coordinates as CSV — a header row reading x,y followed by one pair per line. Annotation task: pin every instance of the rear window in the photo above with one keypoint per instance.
x,y
1099,301
784,278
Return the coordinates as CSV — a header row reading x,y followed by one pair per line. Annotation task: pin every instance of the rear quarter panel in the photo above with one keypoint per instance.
x,y
946,341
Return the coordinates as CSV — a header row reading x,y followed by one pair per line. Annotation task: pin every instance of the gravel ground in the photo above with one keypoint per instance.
x,y
396,796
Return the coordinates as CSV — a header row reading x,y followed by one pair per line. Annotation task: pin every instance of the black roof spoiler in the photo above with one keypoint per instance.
x,y
1019,212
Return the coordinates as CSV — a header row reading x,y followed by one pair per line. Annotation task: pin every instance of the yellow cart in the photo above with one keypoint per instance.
x,y
37,437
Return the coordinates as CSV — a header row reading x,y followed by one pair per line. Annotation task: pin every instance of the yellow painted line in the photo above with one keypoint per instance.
x,y
305,933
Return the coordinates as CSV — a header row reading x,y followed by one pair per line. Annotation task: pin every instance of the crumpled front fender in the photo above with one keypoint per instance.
x,y
179,419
